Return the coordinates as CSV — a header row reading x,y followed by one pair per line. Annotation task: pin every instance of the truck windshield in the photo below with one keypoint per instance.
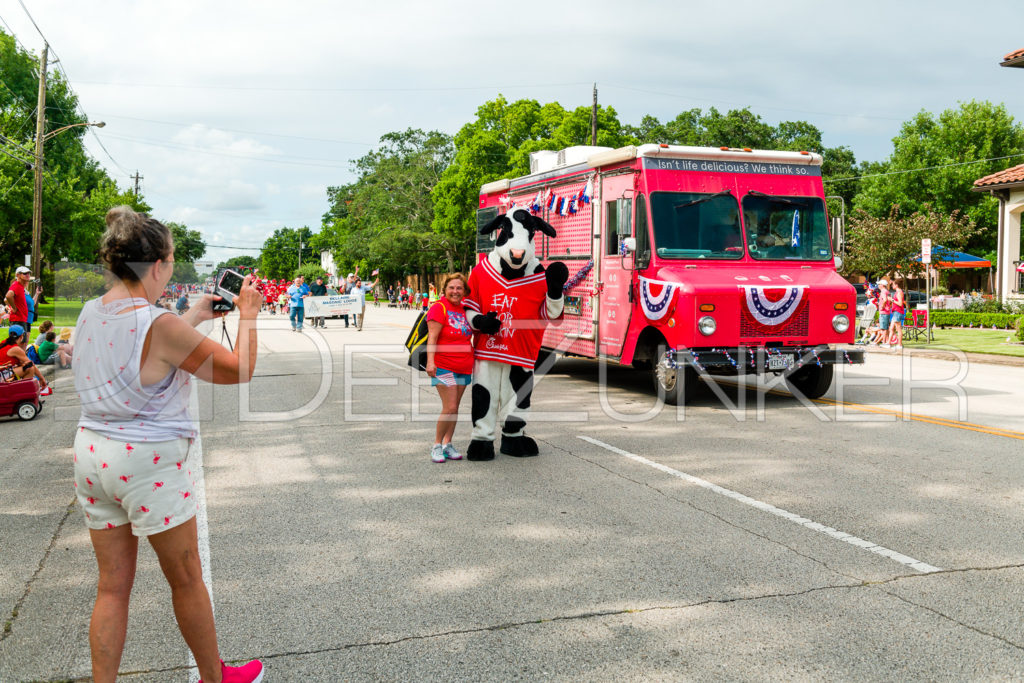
x,y
694,225
784,228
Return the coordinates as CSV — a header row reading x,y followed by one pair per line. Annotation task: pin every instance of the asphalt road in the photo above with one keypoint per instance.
x,y
873,535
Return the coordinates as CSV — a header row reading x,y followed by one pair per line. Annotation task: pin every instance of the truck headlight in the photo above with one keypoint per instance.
x,y
840,323
707,325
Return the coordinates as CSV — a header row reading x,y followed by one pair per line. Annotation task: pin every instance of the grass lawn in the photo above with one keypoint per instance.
x,y
62,313
973,341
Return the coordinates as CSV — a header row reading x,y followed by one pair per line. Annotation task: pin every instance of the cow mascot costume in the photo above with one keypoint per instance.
x,y
511,298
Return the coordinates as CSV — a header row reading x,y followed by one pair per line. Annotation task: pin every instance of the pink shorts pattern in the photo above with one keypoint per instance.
x,y
146,484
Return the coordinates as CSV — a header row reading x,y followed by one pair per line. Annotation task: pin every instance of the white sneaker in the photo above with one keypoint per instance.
x,y
451,453
437,453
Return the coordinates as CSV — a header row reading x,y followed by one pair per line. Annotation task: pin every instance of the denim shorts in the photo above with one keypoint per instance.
x,y
450,379
883,320
898,317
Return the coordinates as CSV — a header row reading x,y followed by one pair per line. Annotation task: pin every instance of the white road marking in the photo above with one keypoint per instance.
x,y
385,362
779,512
202,522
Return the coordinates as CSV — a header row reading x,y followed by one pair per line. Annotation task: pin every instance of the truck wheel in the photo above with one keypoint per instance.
x,y
675,385
811,380
26,411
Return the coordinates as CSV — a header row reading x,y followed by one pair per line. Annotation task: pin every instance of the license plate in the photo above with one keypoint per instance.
x,y
778,362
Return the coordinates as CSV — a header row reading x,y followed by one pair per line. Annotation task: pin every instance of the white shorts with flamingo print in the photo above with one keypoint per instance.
x,y
146,484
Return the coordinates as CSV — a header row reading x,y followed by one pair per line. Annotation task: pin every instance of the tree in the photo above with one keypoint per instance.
x,y
935,161
280,255
890,244
498,145
743,128
236,262
385,217
76,191
189,245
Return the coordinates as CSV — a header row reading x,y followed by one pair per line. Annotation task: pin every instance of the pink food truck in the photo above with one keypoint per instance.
x,y
689,260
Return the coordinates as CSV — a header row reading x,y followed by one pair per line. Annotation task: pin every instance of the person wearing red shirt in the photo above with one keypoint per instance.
x,y
16,297
449,361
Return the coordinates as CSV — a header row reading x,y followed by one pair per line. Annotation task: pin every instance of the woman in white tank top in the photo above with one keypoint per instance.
x,y
134,364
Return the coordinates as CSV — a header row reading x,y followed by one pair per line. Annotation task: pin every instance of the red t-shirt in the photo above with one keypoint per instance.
x,y
20,312
455,343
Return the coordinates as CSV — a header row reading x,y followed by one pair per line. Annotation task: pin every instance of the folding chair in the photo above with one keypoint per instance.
x,y
919,328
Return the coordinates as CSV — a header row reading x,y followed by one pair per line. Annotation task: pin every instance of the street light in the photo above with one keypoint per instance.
x,y
37,195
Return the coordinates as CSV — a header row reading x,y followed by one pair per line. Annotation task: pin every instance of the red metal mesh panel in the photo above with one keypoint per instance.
x,y
794,327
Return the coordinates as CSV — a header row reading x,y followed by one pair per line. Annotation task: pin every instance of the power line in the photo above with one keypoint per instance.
x,y
337,90
923,168
741,104
244,132
298,161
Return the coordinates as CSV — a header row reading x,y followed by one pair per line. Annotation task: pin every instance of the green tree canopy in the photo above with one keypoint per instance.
x,y
384,218
935,161
76,191
280,255
880,246
237,262
498,145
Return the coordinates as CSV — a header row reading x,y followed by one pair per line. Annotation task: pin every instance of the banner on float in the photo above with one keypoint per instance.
x,y
338,304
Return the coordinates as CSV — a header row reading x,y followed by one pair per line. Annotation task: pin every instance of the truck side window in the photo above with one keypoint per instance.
x,y
643,244
611,231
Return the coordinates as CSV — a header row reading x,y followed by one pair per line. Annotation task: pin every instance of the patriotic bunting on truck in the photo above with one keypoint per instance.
x,y
656,297
772,306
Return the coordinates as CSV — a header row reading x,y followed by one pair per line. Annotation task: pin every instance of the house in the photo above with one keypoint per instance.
x,y
1008,187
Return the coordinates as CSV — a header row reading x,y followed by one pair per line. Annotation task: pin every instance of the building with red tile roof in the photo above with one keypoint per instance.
x,y
1008,187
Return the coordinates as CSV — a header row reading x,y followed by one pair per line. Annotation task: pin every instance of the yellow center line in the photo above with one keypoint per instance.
x,y
941,421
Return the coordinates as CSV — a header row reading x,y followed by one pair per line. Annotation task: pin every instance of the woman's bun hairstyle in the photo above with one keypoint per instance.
x,y
132,242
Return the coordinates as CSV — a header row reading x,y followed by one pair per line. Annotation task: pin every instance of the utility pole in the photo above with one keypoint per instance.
x,y
593,119
37,198
137,178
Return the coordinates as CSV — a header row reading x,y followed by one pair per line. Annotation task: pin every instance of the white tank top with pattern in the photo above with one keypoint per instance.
x,y
108,350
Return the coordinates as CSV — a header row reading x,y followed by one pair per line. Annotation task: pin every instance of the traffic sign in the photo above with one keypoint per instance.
x,y
926,250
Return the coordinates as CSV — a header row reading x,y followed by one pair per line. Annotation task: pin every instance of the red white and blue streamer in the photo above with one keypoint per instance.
x,y
656,297
770,312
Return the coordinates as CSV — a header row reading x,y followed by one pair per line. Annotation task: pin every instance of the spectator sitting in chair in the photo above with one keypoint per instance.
x,y
12,352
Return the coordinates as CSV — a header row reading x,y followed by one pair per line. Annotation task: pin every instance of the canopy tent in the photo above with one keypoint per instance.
x,y
950,258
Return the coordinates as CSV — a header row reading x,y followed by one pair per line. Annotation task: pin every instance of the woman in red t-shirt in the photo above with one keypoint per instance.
x,y
449,361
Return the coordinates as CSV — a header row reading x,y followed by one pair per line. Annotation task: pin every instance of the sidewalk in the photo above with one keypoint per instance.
x,y
939,352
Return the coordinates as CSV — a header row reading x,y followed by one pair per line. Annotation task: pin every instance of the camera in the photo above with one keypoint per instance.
x,y
228,287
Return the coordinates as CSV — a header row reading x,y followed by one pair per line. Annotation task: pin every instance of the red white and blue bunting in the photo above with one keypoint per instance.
x,y
656,297
771,310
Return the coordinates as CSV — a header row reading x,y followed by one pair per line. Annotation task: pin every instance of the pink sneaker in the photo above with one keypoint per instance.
x,y
247,673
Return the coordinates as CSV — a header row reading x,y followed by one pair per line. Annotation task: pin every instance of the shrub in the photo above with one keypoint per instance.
x,y
1020,329
971,319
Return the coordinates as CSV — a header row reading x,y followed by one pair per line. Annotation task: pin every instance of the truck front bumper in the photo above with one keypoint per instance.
x,y
754,359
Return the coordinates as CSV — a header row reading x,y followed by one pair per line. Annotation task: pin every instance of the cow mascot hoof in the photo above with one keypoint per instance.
x,y
510,301
519,446
480,450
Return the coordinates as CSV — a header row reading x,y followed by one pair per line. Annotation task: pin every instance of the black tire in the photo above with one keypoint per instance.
x,y
675,386
27,410
811,380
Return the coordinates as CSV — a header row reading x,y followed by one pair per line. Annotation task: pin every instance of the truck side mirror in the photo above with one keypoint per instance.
x,y
627,246
624,216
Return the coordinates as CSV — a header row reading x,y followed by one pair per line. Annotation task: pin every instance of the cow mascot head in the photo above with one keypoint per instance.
x,y
512,299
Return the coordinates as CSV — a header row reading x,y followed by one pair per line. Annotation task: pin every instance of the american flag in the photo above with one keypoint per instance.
x,y
446,378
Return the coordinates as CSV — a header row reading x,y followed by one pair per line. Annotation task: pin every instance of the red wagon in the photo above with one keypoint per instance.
x,y
21,398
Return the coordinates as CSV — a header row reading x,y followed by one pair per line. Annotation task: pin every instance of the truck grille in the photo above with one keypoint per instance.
x,y
794,327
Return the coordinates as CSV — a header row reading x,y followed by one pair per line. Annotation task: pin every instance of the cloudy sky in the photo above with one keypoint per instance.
x,y
239,115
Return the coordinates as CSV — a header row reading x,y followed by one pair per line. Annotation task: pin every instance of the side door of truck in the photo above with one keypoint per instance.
x,y
615,221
